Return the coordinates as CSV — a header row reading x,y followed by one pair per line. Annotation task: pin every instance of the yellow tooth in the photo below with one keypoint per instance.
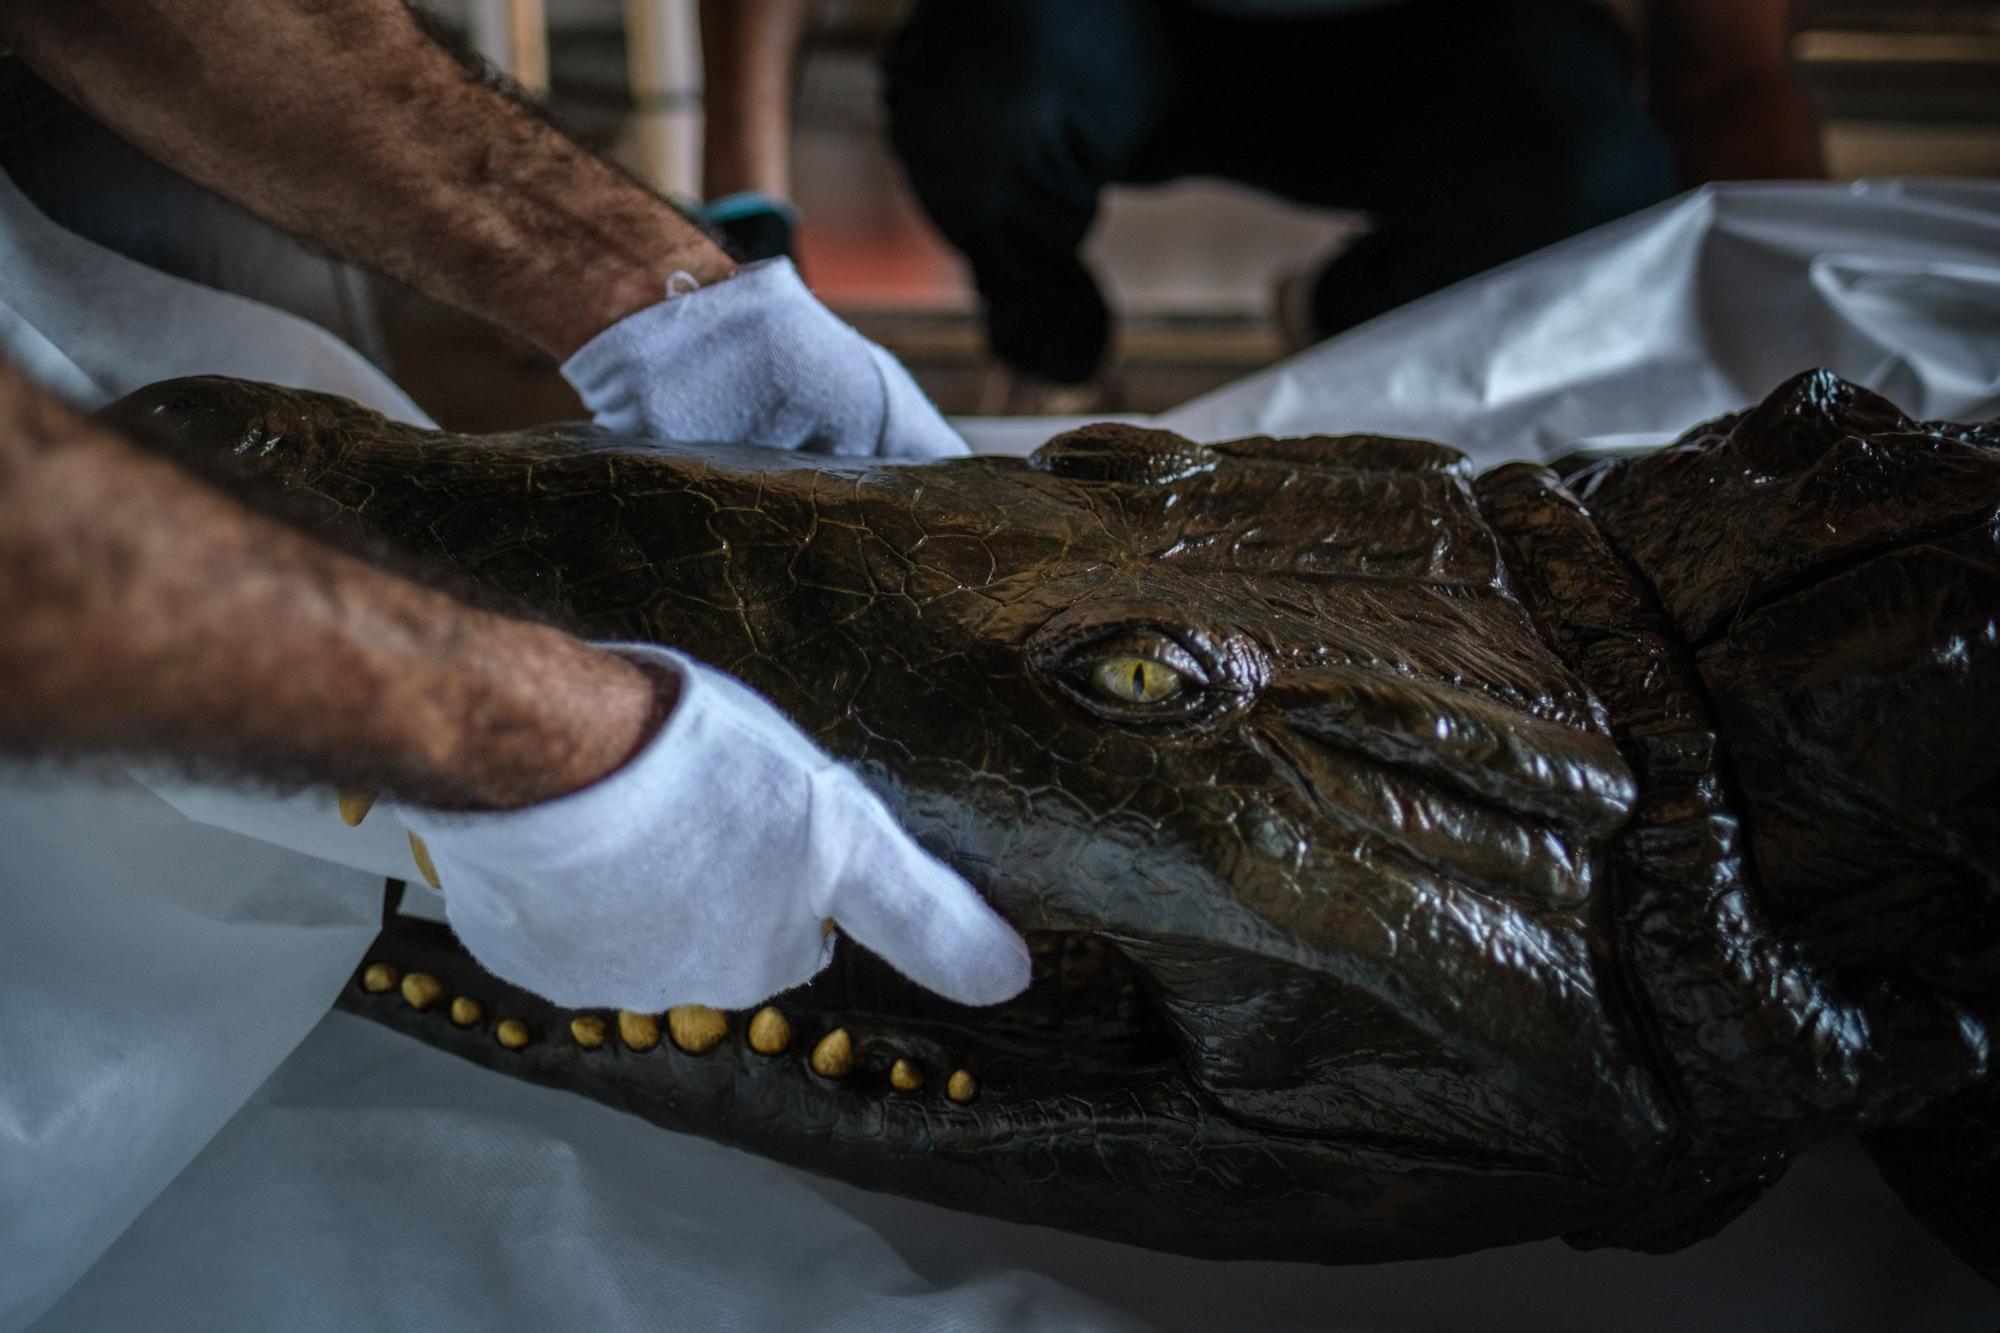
x,y
960,1087
422,856
377,977
904,1076
588,1029
834,1056
696,1028
640,1031
770,1034
354,807
422,990
511,1033
465,1011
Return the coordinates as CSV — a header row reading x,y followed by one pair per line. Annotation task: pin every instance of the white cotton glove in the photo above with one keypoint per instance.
x,y
756,359
701,872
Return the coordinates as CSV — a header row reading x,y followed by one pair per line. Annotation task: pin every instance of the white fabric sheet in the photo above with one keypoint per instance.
x,y
153,972
374,1183
93,325
1635,331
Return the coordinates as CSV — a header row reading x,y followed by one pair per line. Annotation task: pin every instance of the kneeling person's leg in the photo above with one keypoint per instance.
x,y
1010,119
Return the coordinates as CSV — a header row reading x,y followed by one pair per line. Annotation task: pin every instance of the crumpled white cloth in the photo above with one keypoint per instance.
x,y
701,871
153,971
92,325
376,1183
756,359
1633,332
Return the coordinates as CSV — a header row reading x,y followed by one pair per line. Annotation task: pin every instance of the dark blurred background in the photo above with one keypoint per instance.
x,y
1903,87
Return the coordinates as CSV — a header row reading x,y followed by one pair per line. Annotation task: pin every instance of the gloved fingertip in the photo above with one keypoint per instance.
x,y
912,427
933,927
995,971
972,956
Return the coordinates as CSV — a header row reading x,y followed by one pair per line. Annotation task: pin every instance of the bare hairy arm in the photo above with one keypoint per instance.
x,y
1724,87
343,122
143,612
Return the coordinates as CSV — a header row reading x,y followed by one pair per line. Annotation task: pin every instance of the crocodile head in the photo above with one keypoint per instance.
x,y
1307,824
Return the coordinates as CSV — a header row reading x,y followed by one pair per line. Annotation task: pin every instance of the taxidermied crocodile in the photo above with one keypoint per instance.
x,y
1413,861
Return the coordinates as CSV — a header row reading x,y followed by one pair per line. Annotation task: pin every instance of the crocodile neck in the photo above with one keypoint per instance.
x,y
1704,954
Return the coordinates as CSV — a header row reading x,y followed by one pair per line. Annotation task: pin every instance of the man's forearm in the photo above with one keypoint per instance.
x,y
142,612
344,123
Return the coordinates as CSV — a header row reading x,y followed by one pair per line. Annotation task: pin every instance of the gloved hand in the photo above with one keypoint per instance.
x,y
756,359
701,871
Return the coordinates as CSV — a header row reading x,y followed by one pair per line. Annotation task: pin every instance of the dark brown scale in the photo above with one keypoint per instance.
x,y
1532,855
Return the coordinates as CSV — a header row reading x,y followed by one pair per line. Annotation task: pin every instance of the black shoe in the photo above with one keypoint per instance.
x,y
751,226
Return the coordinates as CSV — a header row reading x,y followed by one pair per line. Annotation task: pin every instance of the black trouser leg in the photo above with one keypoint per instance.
x,y
1474,131
1010,117
1549,139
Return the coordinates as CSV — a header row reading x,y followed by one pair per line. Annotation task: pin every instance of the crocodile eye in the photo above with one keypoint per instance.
x,y
1147,672
1131,679
1140,676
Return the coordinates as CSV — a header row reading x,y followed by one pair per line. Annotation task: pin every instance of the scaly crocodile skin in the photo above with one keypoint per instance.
x,y
1517,858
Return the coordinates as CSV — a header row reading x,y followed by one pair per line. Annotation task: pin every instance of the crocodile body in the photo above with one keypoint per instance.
x,y
1510,856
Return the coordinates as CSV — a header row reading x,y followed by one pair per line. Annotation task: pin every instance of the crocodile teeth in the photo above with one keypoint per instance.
x,y
377,977
905,1076
640,1031
422,990
696,1028
422,856
465,1011
834,1056
511,1033
588,1029
961,1087
770,1034
354,807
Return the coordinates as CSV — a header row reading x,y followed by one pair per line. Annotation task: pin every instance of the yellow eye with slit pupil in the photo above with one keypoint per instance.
x,y
1135,680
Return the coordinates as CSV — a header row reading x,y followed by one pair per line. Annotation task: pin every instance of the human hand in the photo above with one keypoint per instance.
x,y
756,359
701,872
